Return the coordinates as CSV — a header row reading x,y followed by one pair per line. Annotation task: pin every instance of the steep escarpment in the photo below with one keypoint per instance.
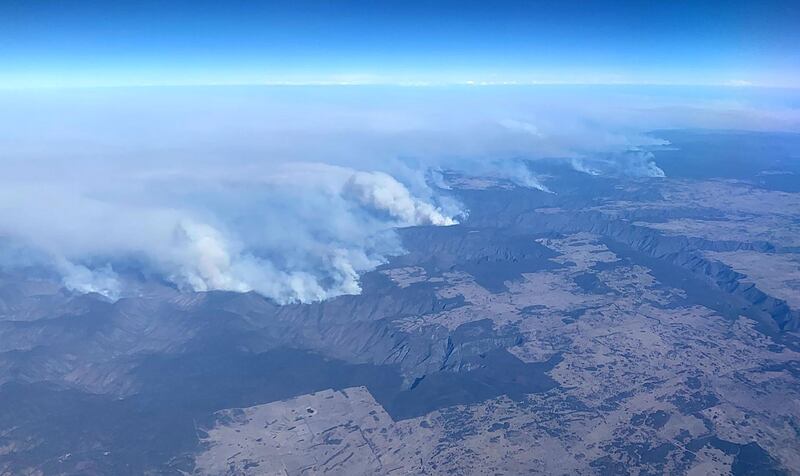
x,y
683,251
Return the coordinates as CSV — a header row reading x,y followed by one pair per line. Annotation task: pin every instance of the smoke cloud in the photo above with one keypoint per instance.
x,y
292,192
381,192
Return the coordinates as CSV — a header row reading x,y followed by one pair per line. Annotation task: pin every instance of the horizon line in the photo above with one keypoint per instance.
x,y
407,84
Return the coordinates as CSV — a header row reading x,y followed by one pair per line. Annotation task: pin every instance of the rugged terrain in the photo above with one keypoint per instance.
x,y
616,326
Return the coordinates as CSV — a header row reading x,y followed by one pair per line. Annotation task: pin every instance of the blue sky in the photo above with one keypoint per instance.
x,y
84,43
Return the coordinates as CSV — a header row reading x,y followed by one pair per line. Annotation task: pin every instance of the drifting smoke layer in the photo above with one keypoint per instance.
x,y
291,192
632,163
372,201
381,192
279,252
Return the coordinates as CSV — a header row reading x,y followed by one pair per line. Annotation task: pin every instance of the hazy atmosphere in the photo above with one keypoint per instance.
x,y
366,238
292,191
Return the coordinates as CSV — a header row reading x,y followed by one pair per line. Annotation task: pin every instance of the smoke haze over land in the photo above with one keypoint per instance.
x,y
292,192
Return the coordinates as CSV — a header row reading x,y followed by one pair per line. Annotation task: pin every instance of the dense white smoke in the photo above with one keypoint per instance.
x,y
380,191
101,280
328,263
290,192
208,262
297,232
294,232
